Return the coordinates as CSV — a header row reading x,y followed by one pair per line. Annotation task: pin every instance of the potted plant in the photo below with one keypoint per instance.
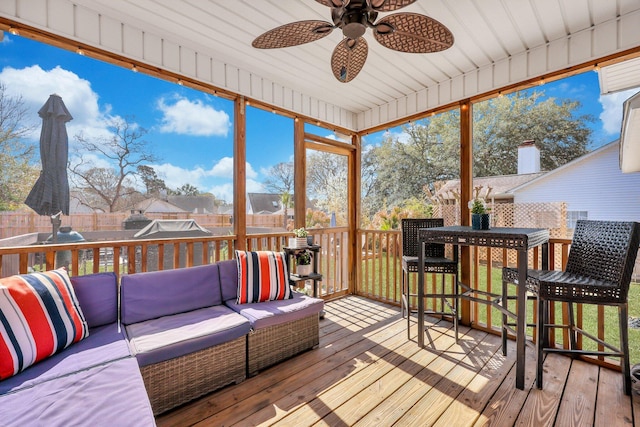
x,y
300,239
303,263
479,212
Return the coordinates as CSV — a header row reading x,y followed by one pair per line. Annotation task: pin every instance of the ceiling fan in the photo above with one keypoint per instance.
x,y
404,32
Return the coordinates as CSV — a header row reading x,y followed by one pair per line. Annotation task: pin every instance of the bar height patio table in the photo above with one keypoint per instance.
x,y
520,239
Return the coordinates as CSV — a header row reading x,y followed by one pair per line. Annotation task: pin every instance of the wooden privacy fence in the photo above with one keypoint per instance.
x,y
17,223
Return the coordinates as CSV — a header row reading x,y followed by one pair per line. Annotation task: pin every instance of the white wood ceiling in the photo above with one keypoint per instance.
x,y
497,43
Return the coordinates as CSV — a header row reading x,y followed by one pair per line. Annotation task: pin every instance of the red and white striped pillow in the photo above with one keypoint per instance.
x,y
262,276
39,316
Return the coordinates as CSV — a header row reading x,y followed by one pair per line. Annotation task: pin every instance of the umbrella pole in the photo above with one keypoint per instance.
x,y
55,222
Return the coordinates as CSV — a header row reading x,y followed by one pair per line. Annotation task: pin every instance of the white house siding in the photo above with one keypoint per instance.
x,y
592,183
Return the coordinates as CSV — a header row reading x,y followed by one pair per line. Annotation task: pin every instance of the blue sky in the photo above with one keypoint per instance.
x,y
192,132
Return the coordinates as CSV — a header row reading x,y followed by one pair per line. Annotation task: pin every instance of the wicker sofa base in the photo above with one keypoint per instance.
x,y
179,380
273,344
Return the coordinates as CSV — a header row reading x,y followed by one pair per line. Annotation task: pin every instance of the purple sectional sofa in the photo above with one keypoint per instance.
x,y
279,329
71,387
183,335
186,341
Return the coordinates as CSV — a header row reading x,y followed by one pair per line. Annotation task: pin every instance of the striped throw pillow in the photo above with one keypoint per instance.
x,y
262,276
39,316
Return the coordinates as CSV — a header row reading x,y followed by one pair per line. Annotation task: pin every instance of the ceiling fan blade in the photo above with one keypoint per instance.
x,y
348,58
413,33
293,34
387,5
334,3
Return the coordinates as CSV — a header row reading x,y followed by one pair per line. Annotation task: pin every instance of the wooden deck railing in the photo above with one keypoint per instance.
x,y
333,256
379,269
131,256
121,257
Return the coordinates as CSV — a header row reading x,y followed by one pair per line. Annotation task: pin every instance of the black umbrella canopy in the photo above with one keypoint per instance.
x,y
50,194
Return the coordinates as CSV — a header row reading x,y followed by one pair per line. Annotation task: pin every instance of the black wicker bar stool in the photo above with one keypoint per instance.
x,y
599,267
434,262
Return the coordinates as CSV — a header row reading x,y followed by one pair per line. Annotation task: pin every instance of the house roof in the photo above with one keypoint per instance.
x,y
264,203
501,186
195,204
571,164
156,205
496,44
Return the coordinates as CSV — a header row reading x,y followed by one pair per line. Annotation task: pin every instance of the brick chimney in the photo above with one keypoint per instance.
x,y
528,157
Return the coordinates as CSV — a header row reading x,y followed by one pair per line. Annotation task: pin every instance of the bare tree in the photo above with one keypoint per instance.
x,y
125,149
327,182
280,178
16,156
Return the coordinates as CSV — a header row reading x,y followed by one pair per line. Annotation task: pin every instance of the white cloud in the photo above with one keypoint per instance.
x,y
224,169
611,115
225,191
250,172
222,192
175,177
35,85
192,118
254,186
339,137
401,137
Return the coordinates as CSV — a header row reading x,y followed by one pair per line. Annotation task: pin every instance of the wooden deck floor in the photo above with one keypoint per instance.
x,y
366,373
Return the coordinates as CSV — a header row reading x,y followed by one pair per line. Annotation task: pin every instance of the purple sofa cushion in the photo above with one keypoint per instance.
x,y
161,293
165,338
269,313
98,297
111,394
103,344
229,279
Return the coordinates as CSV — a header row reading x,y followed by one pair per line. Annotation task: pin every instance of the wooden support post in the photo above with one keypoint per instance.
x,y
240,175
354,199
466,188
299,173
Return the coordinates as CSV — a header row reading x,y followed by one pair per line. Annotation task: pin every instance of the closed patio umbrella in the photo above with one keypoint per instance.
x,y
50,193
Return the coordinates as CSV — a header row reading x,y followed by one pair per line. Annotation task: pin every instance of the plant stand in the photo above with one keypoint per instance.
x,y
313,275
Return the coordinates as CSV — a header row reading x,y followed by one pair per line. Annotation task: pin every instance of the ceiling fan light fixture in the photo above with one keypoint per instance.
x,y
354,24
354,30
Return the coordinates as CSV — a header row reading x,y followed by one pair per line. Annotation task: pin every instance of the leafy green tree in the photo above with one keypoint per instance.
x,y
152,183
17,174
286,201
501,124
186,190
428,151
